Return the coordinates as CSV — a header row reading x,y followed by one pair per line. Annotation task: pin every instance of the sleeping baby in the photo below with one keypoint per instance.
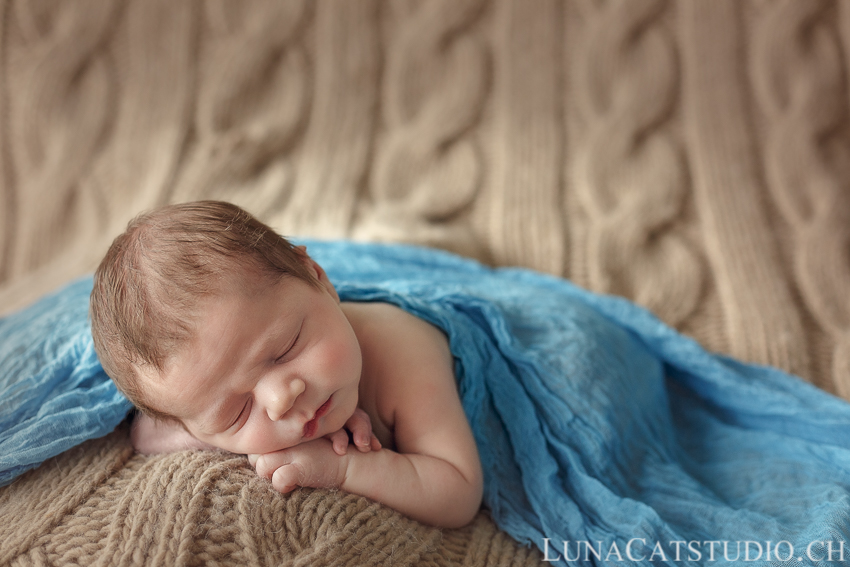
x,y
223,334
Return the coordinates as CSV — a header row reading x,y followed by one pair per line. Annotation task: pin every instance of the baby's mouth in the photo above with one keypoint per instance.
x,y
311,426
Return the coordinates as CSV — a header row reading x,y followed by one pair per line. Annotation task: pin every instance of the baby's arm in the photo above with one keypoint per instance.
x,y
435,475
436,478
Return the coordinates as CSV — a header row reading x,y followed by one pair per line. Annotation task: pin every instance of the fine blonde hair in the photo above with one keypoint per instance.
x,y
148,286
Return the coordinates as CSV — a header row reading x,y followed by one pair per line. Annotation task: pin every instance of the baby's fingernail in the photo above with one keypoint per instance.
x,y
277,482
253,459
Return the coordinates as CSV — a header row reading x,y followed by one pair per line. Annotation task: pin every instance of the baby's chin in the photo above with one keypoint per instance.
x,y
338,417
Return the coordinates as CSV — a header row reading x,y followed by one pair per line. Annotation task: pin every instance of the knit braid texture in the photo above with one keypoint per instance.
x,y
693,156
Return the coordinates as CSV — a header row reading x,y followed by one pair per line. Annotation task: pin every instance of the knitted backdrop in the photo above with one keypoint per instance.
x,y
693,156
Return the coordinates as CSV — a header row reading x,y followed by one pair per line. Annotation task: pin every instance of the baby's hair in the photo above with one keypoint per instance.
x,y
148,286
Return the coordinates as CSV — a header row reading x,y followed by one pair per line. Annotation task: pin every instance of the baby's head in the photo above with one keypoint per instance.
x,y
186,282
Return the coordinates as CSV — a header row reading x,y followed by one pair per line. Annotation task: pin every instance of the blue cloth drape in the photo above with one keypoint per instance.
x,y
606,437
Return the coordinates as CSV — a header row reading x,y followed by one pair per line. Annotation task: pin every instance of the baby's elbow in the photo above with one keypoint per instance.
x,y
477,497
464,504
462,514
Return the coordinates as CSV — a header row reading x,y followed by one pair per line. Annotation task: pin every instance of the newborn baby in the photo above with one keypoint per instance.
x,y
224,334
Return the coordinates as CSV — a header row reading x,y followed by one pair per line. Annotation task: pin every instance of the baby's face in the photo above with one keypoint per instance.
x,y
265,371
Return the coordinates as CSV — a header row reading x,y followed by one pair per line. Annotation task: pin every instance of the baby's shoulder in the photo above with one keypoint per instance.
x,y
387,329
401,352
408,380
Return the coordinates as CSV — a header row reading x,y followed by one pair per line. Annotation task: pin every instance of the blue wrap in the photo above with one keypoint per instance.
x,y
599,427
53,392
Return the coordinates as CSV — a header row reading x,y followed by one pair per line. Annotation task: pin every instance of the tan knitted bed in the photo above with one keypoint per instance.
x,y
693,156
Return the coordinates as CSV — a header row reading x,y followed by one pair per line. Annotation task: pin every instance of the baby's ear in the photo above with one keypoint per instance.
x,y
322,278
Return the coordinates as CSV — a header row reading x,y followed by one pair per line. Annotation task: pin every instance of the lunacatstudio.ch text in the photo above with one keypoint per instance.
x,y
639,549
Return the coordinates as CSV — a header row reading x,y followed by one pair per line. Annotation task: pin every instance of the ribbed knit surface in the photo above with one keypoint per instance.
x,y
693,156
100,504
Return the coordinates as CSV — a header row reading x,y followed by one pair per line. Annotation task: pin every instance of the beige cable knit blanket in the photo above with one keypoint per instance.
x,y
693,156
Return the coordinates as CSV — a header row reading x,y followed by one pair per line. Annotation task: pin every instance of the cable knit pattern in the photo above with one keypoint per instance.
x,y
58,117
632,175
692,156
428,167
163,110
801,84
338,141
762,322
254,76
525,222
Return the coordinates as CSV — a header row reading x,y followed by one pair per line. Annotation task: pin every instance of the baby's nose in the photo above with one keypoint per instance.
x,y
280,400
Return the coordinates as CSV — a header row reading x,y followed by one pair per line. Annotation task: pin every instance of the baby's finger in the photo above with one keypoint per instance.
x,y
253,460
286,478
339,439
361,430
267,464
376,443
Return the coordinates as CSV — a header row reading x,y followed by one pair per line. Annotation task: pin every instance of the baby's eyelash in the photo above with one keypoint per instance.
x,y
241,413
292,346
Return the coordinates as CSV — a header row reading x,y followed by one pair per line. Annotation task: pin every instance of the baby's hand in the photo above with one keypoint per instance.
x,y
312,464
360,427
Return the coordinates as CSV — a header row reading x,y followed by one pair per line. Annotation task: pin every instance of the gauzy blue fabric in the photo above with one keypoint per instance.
x,y
53,392
606,437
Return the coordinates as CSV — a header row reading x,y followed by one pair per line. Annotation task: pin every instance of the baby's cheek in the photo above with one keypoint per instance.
x,y
341,357
261,440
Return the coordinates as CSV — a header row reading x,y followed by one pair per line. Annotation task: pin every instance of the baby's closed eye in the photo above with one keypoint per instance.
x,y
237,423
290,349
